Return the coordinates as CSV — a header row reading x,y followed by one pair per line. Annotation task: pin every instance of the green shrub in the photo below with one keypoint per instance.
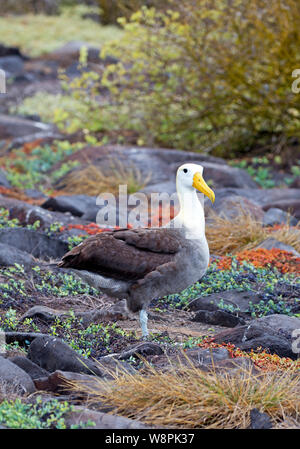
x,y
212,75
111,10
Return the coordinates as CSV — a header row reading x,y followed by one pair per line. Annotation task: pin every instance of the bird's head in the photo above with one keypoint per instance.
x,y
190,177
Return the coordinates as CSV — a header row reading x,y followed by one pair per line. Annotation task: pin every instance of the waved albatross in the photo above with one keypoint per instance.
x,y
146,263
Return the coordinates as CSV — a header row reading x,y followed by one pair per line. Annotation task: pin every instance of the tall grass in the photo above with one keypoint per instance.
x,y
245,232
187,397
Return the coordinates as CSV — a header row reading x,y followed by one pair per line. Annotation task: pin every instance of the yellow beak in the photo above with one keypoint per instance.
x,y
200,184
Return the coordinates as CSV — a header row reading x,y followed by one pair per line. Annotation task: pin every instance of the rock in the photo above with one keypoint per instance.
x,y
77,205
272,344
3,180
292,206
281,324
23,338
101,420
111,364
43,313
261,334
234,366
53,354
232,299
58,381
224,175
11,373
259,420
159,165
271,243
14,126
9,255
207,356
9,51
34,370
277,216
143,349
33,242
218,318
232,205
12,65
29,214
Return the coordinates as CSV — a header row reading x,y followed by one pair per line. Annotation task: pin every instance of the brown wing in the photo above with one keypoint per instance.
x,y
124,254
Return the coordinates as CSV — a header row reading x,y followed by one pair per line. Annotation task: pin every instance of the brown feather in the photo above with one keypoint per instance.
x,y
124,254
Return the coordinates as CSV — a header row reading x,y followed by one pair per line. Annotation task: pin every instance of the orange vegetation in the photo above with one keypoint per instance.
x,y
261,358
284,261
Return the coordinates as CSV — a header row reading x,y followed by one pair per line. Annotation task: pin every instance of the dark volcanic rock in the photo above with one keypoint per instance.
x,y
218,318
9,255
11,373
277,216
143,349
14,126
270,243
272,333
29,214
238,301
39,245
34,370
75,204
259,420
292,206
53,354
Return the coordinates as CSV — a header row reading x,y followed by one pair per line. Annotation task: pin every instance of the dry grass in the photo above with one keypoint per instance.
x,y
92,181
187,397
244,232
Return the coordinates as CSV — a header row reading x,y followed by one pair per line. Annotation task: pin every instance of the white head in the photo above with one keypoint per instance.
x,y
189,177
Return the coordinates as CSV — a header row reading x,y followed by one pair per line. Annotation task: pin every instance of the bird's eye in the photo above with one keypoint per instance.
x,y
185,170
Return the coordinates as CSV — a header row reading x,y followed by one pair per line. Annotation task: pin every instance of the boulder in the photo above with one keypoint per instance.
x,y
230,299
28,214
15,126
218,318
58,381
261,333
275,216
9,255
33,242
53,354
282,324
143,349
12,374
291,205
158,166
82,415
12,65
77,205
34,370
271,243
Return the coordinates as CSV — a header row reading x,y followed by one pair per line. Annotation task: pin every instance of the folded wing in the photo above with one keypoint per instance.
x,y
125,254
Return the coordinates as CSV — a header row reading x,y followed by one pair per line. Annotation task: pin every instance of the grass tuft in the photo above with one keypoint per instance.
x,y
187,397
244,233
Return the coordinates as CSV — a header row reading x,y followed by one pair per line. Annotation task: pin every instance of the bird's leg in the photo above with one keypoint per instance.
x,y
143,321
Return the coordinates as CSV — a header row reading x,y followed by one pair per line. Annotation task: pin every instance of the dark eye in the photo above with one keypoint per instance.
x,y
185,170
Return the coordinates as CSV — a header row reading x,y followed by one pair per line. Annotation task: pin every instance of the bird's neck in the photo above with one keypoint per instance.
x,y
191,215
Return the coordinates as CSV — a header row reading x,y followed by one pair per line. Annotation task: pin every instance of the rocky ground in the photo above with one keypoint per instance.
x,y
58,328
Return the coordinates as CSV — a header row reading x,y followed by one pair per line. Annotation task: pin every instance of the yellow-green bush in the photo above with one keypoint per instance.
x,y
111,10
212,75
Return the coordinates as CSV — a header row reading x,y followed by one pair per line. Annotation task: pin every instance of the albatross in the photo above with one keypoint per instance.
x,y
146,263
